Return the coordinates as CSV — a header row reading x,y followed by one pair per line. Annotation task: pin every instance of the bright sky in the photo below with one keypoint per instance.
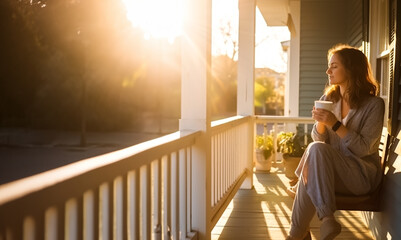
x,y
161,21
165,21
268,51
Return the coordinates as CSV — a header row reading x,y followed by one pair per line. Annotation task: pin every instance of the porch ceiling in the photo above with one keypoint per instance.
x,y
275,12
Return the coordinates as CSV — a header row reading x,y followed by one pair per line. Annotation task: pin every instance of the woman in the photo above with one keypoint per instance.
x,y
345,146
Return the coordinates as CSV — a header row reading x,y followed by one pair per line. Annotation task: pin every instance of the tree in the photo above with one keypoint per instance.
x,y
269,95
223,87
230,39
73,65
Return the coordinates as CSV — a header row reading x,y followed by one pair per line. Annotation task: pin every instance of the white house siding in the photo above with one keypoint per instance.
x,y
354,22
322,25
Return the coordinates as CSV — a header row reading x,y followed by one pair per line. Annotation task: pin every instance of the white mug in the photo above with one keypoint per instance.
x,y
328,105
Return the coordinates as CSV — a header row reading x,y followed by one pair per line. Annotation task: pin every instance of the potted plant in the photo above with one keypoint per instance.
x,y
264,152
292,146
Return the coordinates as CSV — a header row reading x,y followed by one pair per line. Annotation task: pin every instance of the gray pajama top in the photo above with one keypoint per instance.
x,y
359,148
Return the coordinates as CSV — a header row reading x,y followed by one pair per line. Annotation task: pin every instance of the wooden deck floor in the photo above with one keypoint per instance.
x,y
264,213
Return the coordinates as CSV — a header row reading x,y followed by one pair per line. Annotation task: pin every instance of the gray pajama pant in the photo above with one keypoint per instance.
x,y
323,171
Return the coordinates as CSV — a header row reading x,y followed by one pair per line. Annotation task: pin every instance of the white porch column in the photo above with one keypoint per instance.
x,y
291,104
246,57
246,74
195,110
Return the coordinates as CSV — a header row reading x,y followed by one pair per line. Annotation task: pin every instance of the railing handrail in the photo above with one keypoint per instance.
x,y
129,177
16,189
227,123
282,119
23,187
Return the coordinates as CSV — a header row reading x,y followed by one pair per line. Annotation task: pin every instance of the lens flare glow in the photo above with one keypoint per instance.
x,y
157,18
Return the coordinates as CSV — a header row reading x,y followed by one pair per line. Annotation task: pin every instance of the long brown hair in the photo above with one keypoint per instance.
x,y
361,82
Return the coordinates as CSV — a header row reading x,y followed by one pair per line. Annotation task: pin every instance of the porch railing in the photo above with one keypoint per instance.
x,y
230,159
141,192
275,124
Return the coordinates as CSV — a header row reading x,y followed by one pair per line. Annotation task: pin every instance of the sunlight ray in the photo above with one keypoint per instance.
x,y
157,18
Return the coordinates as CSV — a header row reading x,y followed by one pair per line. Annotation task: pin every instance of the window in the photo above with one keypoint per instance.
x,y
382,75
383,26
383,53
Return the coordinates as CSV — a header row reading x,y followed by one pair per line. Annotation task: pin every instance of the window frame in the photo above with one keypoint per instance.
x,y
382,54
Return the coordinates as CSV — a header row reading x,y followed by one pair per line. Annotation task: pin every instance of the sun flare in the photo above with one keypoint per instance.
x,y
157,18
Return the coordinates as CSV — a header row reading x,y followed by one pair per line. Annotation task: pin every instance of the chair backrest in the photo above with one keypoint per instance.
x,y
383,149
371,201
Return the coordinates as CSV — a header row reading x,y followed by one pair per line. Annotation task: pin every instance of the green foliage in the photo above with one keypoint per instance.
x,y
265,143
291,144
268,97
62,58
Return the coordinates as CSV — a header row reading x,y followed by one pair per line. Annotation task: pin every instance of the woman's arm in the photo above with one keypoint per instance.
x,y
324,120
362,143
319,130
319,134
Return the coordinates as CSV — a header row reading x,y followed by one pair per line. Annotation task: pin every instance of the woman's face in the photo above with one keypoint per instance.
x,y
336,71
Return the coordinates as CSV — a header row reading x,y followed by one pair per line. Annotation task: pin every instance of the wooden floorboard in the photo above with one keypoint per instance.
x,y
265,211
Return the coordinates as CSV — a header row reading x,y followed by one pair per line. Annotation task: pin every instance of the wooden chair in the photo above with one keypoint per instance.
x,y
371,201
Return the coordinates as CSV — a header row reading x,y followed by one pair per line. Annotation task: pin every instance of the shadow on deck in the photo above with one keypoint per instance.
x,y
265,213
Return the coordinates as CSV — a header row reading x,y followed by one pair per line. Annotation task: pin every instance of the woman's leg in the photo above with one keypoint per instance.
x,y
315,191
303,211
318,176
